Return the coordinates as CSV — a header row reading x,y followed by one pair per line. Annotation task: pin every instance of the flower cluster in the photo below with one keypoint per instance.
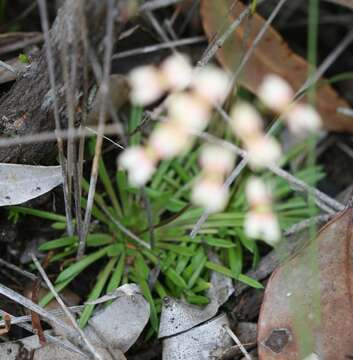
x,y
189,106
192,94
260,221
209,190
277,94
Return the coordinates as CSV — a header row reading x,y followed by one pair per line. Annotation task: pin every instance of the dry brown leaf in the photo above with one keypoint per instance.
x,y
7,318
272,55
309,298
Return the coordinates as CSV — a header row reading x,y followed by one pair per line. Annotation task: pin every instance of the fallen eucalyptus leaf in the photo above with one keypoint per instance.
x,y
20,183
29,349
271,55
204,342
309,299
178,316
113,330
120,323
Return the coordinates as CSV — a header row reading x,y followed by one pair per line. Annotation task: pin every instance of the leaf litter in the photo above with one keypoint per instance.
x,y
21,183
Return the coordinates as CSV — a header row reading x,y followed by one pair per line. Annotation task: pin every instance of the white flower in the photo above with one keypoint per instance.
x,y
210,194
262,225
170,139
146,85
303,118
245,121
263,151
189,111
257,193
211,83
139,164
216,159
275,92
177,72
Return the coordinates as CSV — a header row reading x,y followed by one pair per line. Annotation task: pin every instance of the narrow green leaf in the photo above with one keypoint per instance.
x,y
96,292
117,275
147,294
227,272
173,276
79,266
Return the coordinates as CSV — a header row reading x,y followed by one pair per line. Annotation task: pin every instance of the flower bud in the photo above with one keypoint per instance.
x,y
211,83
257,193
246,122
139,164
263,151
275,92
210,194
189,111
303,119
146,85
262,225
177,72
216,159
170,139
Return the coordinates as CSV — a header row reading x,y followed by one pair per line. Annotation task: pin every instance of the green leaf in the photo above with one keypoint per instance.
x,y
173,276
117,275
141,268
79,266
58,287
227,272
58,225
92,240
147,294
221,243
197,272
104,176
39,213
249,281
197,299
96,292
235,259
134,122
179,249
58,243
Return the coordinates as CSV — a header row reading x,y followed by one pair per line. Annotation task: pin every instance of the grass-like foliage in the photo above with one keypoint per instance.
x,y
161,216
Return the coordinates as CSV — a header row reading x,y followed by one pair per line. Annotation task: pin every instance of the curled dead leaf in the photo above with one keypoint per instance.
x,y
272,55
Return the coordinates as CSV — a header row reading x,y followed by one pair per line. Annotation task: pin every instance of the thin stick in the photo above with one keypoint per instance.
x,y
53,339
7,67
237,341
157,47
330,59
17,269
15,320
106,138
45,26
111,13
20,299
50,135
66,310
305,224
157,4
